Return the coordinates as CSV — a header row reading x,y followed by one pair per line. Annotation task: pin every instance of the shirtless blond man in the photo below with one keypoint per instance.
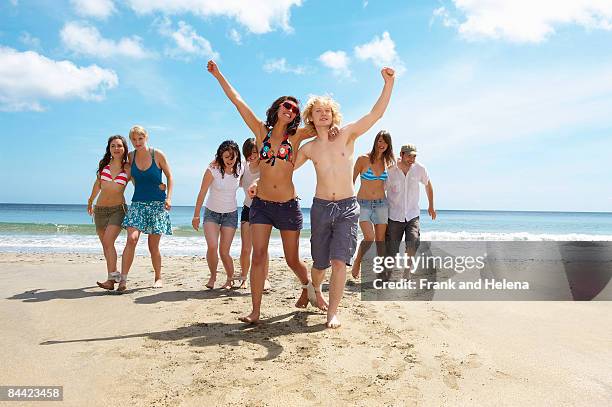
x,y
334,213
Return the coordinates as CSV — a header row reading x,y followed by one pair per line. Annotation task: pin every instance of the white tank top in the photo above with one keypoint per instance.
x,y
222,192
247,179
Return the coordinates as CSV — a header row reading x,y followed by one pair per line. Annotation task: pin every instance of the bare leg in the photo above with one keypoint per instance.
x,y
317,279
336,291
225,243
211,233
380,230
368,237
291,246
108,237
127,258
245,251
156,260
260,234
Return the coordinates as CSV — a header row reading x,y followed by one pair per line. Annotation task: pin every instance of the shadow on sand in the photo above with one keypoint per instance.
x,y
232,334
39,295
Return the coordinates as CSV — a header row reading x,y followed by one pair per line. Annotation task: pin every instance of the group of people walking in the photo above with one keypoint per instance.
x,y
388,195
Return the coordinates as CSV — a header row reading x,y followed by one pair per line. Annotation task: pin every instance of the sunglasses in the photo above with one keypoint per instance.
x,y
291,107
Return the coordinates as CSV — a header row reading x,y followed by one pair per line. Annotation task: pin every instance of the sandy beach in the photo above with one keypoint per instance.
x,y
183,345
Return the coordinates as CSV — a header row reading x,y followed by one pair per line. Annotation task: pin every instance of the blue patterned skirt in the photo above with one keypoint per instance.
x,y
149,217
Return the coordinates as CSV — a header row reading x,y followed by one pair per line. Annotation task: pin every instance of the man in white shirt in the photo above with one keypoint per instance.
x,y
402,188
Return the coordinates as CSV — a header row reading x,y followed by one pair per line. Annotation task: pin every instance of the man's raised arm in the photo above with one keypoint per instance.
x,y
364,124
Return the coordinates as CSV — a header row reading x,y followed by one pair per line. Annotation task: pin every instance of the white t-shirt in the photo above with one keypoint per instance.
x,y
403,191
247,179
222,192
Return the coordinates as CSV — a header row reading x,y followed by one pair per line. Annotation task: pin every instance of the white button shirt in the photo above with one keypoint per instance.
x,y
403,192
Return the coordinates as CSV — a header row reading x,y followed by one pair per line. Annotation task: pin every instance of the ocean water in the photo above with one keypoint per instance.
x,y
46,228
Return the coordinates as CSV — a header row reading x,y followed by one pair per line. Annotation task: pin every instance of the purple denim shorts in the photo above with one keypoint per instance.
x,y
334,231
281,215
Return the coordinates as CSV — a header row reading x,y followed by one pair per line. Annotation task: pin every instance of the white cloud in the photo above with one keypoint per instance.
x,y
235,36
526,20
259,17
86,39
443,14
14,2
27,39
338,61
280,65
26,78
381,51
94,8
187,41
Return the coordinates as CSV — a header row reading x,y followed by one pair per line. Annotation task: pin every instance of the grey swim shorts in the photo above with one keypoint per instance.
x,y
333,231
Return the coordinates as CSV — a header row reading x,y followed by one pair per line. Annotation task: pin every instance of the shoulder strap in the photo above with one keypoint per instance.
x,y
152,153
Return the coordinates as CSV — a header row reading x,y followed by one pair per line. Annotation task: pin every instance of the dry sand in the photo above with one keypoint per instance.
x,y
182,345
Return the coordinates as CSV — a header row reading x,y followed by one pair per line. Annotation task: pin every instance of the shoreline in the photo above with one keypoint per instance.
x,y
181,345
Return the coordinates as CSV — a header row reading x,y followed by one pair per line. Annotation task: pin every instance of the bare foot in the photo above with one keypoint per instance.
x,y
122,286
107,285
158,283
302,302
211,283
243,285
355,271
252,318
333,322
267,285
227,285
321,303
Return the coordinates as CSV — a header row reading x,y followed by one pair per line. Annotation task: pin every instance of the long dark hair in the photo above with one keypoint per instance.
x,y
272,115
387,156
232,146
107,155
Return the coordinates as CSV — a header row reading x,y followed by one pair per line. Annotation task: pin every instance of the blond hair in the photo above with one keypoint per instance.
x,y
325,101
139,130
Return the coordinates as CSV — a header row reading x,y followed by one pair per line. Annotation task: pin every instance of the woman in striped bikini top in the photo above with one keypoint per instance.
x,y
374,210
109,187
370,176
121,178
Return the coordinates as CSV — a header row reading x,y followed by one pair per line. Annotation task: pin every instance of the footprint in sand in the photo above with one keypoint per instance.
x,y
452,368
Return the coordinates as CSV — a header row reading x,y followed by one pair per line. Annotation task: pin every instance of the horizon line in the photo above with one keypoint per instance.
x,y
307,207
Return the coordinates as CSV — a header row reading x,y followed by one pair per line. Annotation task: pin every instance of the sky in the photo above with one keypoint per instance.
x,y
509,102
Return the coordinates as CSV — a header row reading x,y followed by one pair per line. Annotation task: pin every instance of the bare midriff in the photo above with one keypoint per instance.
x,y
111,194
372,189
276,182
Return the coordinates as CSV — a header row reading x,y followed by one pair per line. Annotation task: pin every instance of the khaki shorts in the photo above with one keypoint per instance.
x,y
109,215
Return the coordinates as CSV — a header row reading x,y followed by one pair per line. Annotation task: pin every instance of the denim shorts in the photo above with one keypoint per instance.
x,y
281,215
229,219
374,210
333,231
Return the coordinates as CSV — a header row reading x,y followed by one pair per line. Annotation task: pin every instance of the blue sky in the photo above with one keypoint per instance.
x,y
508,101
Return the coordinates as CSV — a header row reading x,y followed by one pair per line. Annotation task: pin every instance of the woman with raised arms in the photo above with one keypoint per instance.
x,y
276,204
